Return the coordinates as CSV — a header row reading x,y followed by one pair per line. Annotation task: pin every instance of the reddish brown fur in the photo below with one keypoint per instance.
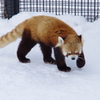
x,y
44,30
47,29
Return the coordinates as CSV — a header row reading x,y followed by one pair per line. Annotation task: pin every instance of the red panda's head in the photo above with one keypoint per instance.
x,y
71,46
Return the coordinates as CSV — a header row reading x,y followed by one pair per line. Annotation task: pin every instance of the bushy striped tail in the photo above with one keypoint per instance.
x,y
12,36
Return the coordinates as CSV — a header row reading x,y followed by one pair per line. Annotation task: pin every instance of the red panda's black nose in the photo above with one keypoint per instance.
x,y
73,58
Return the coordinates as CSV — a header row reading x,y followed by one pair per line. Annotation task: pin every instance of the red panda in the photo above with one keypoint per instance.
x,y
49,32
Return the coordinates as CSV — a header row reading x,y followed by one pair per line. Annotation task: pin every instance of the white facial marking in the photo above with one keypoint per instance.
x,y
64,53
80,51
60,42
76,51
73,57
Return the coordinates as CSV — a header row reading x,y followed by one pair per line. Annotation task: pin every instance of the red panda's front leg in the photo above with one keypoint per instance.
x,y
81,60
60,60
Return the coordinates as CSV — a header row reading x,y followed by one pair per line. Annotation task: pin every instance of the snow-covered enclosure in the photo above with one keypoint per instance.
x,y
40,81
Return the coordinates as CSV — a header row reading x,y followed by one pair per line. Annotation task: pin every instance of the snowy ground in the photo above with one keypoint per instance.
x,y
40,81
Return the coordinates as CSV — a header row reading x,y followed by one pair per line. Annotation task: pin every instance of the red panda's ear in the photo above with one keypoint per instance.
x,y
80,36
60,42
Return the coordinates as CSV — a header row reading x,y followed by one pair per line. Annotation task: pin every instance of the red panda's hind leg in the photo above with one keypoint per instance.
x,y
23,49
25,46
47,51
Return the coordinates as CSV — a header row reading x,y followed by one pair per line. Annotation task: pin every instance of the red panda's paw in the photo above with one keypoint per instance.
x,y
25,60
81,60
65,69
80,63
50,60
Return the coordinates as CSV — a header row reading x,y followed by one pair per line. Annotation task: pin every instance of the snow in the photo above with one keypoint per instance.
x,y
40,81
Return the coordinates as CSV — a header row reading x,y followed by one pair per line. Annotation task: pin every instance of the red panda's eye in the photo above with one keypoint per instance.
x,y
69,53
76,53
